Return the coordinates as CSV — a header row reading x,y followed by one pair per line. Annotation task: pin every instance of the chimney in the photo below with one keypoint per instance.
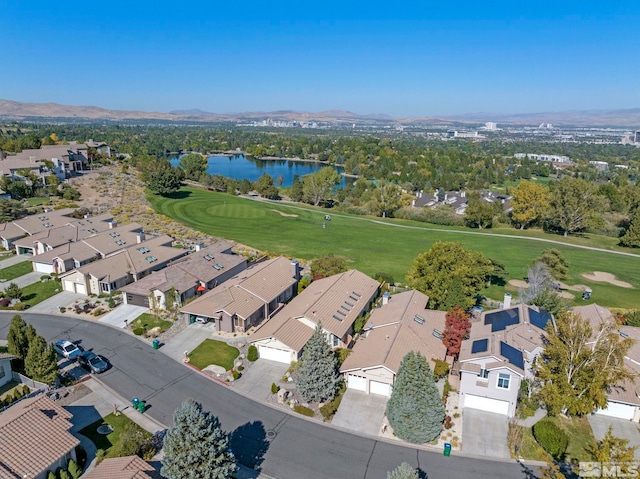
x,y
199,245
507,301
140,237
386,297
113,224
295,269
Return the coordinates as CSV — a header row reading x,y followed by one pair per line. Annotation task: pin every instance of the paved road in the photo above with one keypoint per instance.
x,y
282,445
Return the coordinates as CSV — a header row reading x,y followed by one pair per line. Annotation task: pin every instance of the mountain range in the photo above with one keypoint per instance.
x,y
13,110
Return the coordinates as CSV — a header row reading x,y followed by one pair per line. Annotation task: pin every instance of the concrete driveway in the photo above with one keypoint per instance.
x,y
256,380
10,260
22,281
127,312
50,305
619,427
188,339
361,412
484,433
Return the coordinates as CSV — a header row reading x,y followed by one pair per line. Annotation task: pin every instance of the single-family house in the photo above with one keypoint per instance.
x,y
35,439
121,267
498,355
246,299
100,146
335,302
400,325
190,276
31,225
129,467
5,368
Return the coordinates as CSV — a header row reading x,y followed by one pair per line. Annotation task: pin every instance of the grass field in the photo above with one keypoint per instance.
x,y
211,351
16,270
377,245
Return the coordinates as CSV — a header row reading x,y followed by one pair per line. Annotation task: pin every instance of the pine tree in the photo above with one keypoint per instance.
x,y
18,337
318,376
415,409
196,446
41,363
403,471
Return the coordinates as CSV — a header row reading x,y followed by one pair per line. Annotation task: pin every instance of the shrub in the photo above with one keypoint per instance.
x,y
17,394
4,302
440,368
20,306
139,331
112,302
252,353
74,469
274,388
448,422
97,312
100,456
235,374
46,277
305,411
64,474
342,354
63,309
551,437
633,318
51,475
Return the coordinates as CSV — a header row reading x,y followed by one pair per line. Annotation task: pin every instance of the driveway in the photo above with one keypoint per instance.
x,y
127,312
50,305
14,259
619,427
188,339
22,281
256,380
361,412
484,433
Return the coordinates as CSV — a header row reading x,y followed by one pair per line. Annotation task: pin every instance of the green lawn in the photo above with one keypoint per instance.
x,y
389,245
109,442
37,292
16,270
150,321
211,351
38,201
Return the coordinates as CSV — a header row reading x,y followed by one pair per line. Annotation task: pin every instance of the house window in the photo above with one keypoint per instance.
x,y
503,381
238,322
335,341
104,287
483,374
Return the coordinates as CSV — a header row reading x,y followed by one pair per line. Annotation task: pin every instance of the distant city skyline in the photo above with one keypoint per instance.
x,y
415,60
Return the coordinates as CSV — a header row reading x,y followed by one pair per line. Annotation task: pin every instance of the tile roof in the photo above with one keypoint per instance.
x,y
129,467
393,331
35,435
595,314
629,391
345,296
34,224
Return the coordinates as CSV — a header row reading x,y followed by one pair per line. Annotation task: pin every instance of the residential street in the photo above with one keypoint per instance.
x,y
283,445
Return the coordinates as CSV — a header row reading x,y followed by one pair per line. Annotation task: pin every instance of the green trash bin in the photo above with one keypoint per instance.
x,y
192,319
156,343
447,449
141,406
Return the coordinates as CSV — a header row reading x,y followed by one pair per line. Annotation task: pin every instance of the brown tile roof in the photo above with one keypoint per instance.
x,y
37,223
343,296
394,332
129,467
35,435
78,251
629,391
115,239
10,231
248,291
595,314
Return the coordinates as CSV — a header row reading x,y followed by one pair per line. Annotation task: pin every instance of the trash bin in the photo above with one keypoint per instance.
x,y
141,406
192,319
156,343
134,403
447,449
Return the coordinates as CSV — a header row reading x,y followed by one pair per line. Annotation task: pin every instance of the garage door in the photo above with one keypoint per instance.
x,y
44,268
486,404
356,382
614,409
138,300
74,287
273,354
376,387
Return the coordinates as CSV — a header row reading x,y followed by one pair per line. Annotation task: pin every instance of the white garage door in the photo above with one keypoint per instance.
x,y
74,287
614,409
356,382
376,387
44,268
486,404
273,354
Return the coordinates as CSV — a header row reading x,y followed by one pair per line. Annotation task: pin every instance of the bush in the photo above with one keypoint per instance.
x,y
100,456
139,331
274,388
46,277
20,306
252,353
633,318
329,409
342,354
305,411
448,422
440,368
235,374
74,469
51,475
97,312
64,474
4,302
551,437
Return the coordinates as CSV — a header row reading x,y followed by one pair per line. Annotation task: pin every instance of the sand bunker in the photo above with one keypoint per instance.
x,y
606,278
285,214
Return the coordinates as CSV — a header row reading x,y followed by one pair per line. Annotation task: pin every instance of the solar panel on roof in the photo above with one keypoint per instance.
x,y
501,319
419,319
479,346
539,319
356,294
337,317
512,354
353,298
344,307
341,313
348,304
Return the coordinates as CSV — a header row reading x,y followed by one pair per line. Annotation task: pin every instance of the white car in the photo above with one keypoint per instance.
x,y
67,349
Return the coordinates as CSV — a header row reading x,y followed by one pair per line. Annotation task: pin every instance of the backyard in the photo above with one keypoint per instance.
x,y
211,351
375,245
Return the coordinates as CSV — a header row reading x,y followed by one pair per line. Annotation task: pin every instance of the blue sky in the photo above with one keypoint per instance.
x,y
401,58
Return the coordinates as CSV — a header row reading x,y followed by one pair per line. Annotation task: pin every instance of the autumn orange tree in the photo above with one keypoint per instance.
x,y
456,329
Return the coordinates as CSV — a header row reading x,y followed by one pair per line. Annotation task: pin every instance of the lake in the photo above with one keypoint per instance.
x,y
240,167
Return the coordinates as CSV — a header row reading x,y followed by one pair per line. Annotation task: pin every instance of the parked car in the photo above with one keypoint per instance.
x,y
92,362
67,349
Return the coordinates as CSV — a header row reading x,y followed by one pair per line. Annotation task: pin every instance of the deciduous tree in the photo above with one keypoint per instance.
x,y
196,446
530,202
266,188
327,266
193,165
558,266
612,449
456,329
479,214
13,291
415,409
444,269
573,203
578,365
631,237
319,185
318,378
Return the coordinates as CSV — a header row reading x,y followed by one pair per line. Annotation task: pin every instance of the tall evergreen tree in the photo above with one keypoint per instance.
x,y
631,237
415,409
318,376
403,471
196,446
18,337
41,362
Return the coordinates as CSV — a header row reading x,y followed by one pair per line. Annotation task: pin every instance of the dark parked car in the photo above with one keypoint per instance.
x,y
92,362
